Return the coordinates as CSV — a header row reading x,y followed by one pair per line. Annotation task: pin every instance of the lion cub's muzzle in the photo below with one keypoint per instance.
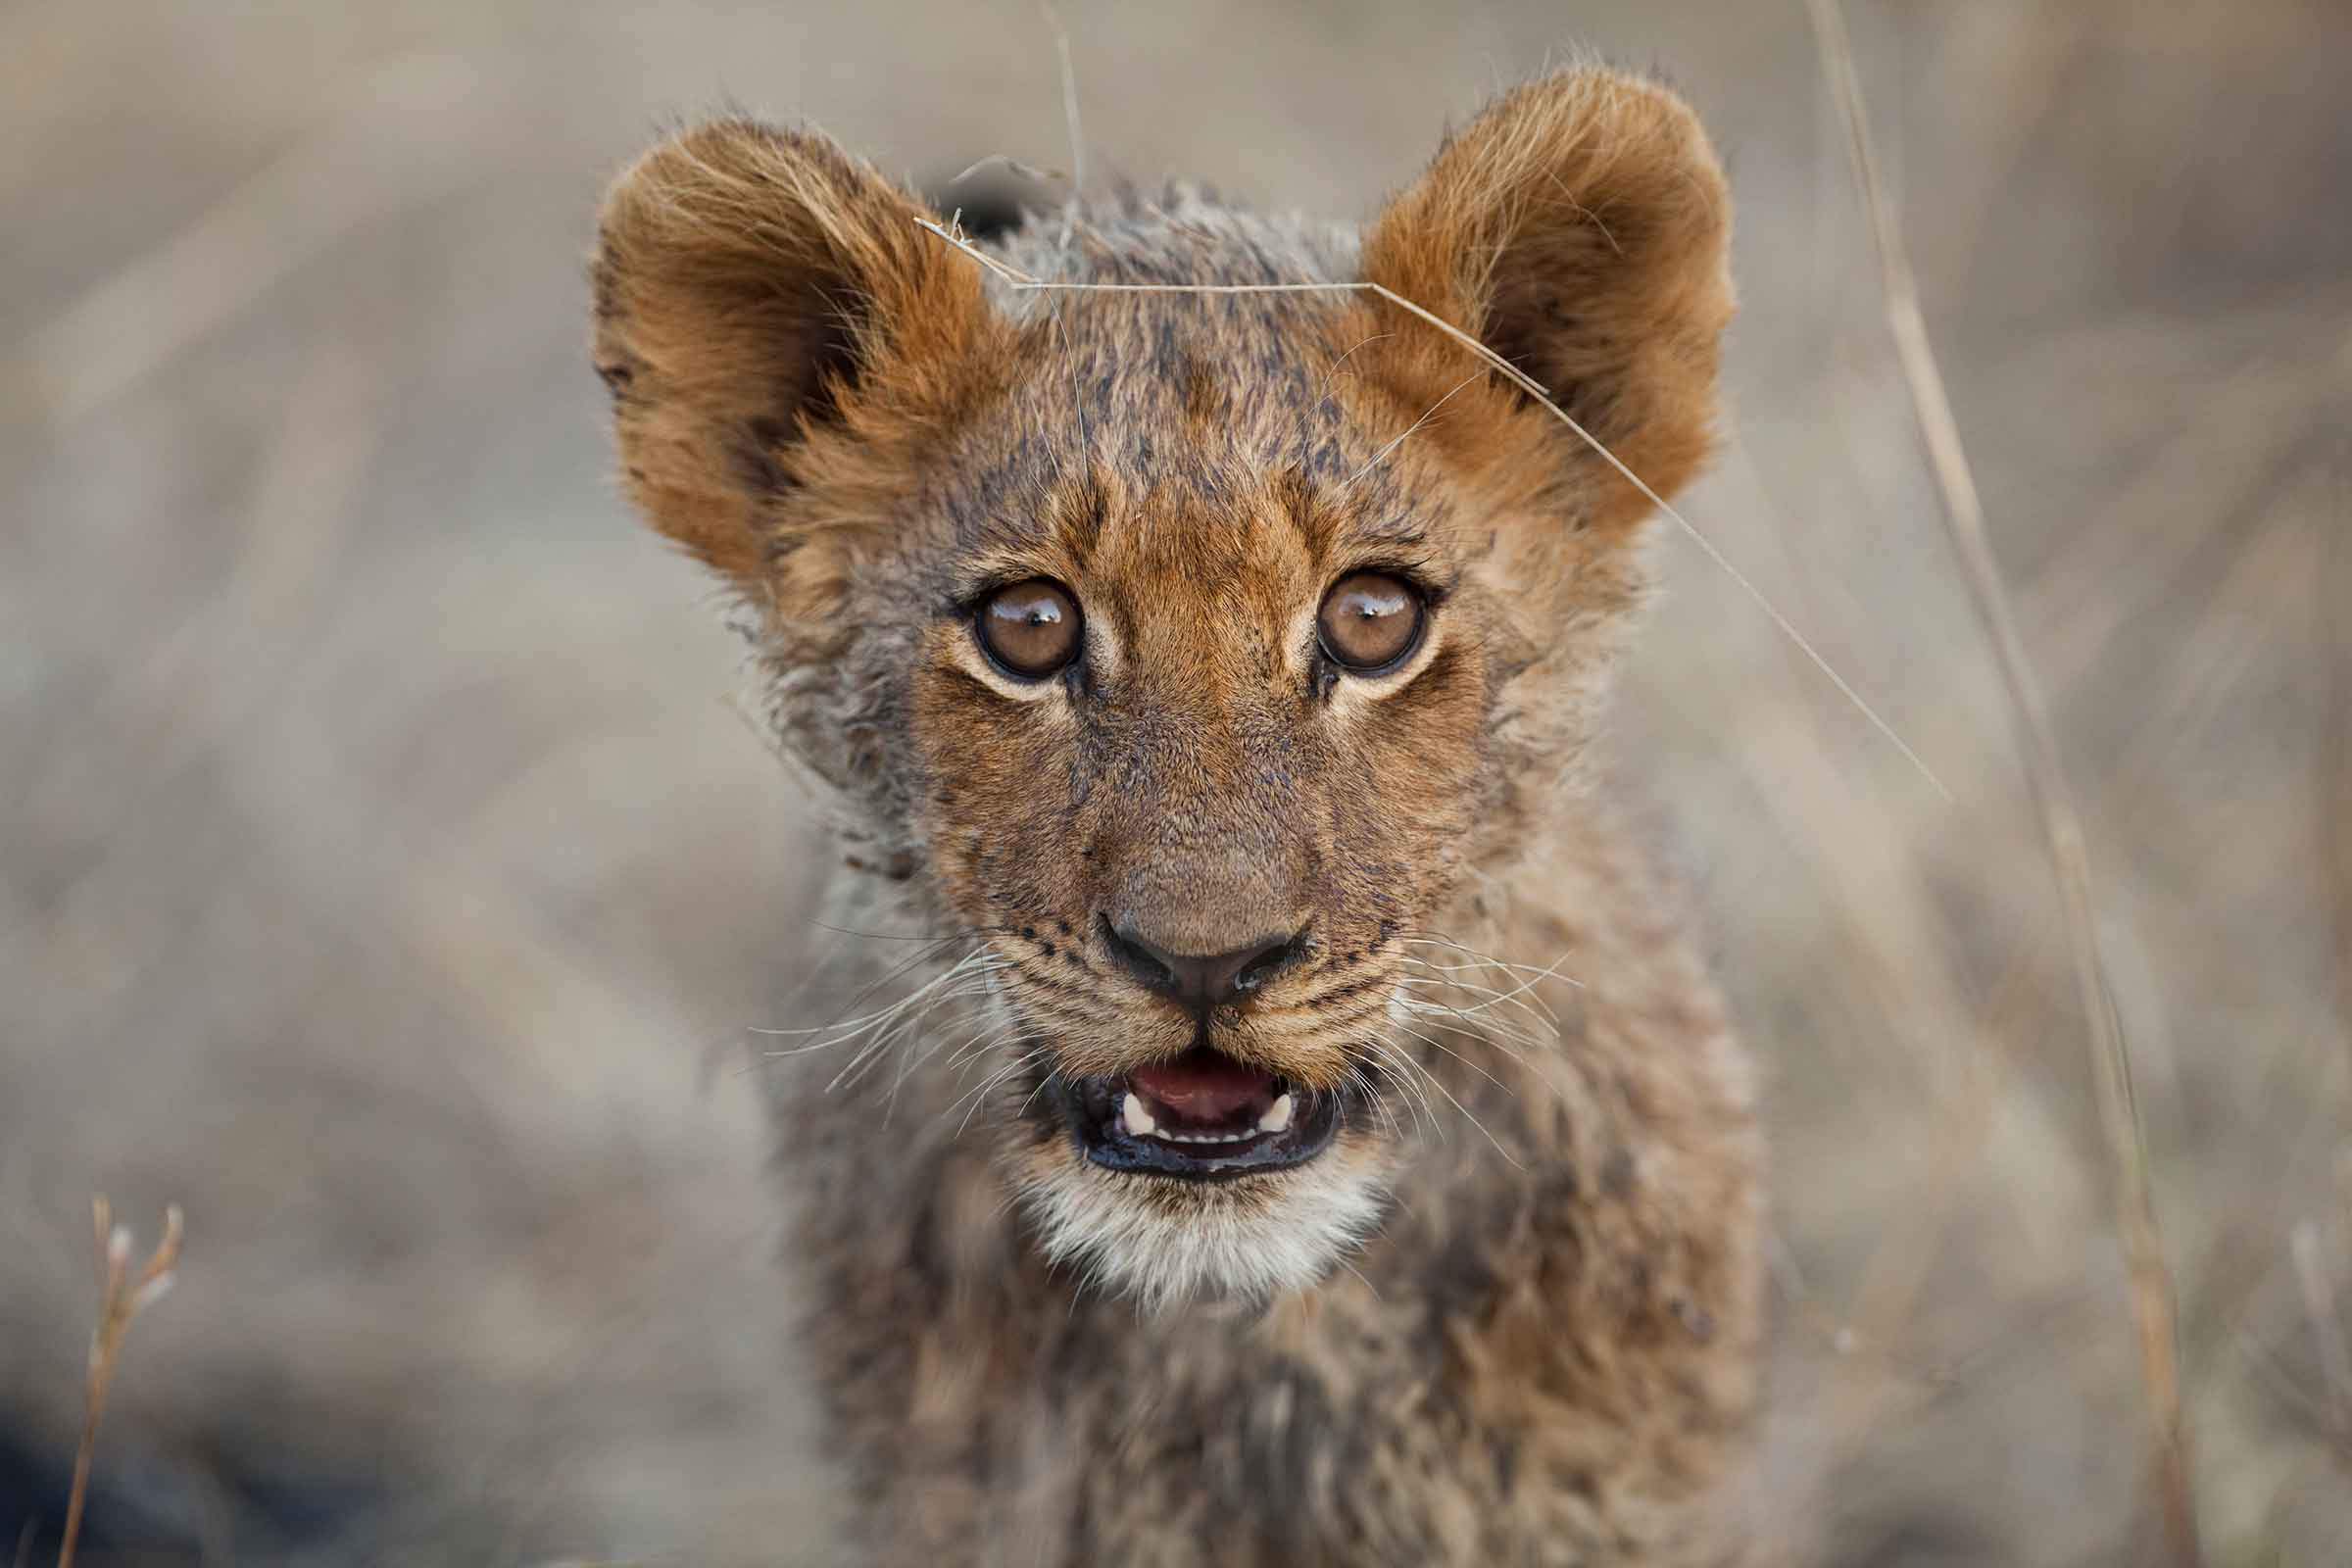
x,y
1208,1112
1201,1116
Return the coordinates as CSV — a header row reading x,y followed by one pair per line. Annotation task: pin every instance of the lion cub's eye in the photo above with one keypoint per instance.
x,y
1370,620
1030,629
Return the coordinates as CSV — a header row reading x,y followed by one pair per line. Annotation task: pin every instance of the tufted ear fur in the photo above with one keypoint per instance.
x,y
1579,226
767,314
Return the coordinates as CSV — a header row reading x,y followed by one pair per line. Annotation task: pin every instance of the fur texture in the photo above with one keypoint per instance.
x,y
1511,1314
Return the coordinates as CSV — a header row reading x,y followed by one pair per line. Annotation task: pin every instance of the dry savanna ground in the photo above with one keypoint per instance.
x,y
387,875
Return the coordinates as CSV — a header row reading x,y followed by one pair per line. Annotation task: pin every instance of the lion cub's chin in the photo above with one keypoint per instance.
x,y
1164,1243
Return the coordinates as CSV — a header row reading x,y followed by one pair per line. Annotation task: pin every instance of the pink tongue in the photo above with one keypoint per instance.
x,y
1202,1086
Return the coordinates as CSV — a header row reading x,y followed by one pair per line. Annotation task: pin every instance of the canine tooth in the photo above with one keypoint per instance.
x,y
1139,1120
1277,1117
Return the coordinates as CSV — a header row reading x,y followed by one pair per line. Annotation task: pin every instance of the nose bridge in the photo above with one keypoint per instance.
x,y
1212,855
1191,897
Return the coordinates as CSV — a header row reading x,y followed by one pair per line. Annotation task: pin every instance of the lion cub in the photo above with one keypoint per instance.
x,y
1309,1137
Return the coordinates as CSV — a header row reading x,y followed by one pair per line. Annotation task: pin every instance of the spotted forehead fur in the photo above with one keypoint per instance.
x,y
1198,436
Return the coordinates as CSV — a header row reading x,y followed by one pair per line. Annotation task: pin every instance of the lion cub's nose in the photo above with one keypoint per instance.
x,y
1202,981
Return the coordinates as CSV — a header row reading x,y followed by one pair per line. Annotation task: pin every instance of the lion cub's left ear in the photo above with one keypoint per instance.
x,y
1579,227
767,314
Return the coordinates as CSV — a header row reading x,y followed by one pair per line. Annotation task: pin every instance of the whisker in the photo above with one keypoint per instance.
x,y
1438,1016
1408,1075
1550,971
989,1082
1438,1084
1045,1078
880,936
1459,1056
1537,1015
1375,1099
1531,1026
988,1034
868,991
981,1042
884,1025
905,1023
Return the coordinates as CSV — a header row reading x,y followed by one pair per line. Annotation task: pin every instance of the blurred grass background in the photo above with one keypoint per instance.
x,y
387,875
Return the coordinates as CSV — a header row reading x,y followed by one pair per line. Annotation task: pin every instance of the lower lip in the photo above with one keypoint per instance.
x,y
1112,1148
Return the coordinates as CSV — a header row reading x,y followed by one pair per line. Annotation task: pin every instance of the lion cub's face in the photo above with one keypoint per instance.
x,y
1183,646
1197,714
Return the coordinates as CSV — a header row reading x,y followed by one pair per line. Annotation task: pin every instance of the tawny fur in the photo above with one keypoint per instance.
x,y
1511,1314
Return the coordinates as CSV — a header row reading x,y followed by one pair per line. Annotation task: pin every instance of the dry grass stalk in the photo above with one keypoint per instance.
x,y
2334,579
1018,280
2327,1332
122,1295
1069,96
1035,173
2151,1285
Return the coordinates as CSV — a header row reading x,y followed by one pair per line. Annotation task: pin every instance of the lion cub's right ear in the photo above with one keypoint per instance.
x,y
769,318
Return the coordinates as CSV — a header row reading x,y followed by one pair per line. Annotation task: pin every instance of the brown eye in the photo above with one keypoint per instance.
x,y
1030,629
1370,620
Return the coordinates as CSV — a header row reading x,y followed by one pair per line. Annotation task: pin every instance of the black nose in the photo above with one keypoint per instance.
x,y
1201,982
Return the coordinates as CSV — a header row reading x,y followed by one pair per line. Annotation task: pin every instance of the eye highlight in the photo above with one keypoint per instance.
x,y
1030,629
1370,622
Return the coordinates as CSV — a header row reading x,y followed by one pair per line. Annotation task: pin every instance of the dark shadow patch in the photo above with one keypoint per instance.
x,y
988,203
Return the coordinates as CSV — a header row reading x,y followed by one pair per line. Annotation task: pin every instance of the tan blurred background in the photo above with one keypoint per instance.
x,y
387,875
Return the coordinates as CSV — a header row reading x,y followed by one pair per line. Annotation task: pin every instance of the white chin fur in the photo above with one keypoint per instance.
x,y
1252,1239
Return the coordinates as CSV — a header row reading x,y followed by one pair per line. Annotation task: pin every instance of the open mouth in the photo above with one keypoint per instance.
x,y
1201,1117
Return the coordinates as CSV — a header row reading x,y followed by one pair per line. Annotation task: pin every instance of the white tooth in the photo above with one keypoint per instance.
x,y
1139,1120
1277,1117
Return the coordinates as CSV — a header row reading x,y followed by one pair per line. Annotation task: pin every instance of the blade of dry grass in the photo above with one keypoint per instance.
x,y
1070,116
122,1295
2327,1331
2335,638
1018,280
2151,1285
1069,97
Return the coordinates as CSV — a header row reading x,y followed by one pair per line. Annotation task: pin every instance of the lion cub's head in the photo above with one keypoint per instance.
x,y
1180,647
